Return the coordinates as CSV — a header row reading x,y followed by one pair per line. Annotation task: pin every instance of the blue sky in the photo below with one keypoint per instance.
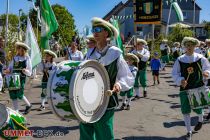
x,y
84,10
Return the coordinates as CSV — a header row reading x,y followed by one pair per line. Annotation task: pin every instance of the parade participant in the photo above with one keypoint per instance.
x,y
165,51
200,48
176,50
132,61
208,48
141,79
121,79
188,72
73,53
155,67
91,44
46,67
20,64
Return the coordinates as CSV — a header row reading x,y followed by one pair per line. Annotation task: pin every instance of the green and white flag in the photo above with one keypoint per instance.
x,y
178,11
49,23
31,41
118,40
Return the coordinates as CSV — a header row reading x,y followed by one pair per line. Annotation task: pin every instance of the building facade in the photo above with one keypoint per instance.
x,y
128,28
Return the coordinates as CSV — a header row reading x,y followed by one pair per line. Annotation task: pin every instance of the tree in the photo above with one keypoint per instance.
x,y
66,29
178,34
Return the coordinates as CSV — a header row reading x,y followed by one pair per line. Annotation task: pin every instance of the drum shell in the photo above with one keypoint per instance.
x,y
198,98
13,79
67,94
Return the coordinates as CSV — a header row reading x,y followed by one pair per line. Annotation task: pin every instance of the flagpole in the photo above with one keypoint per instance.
x,y
194,19
153,37
7,24
19,24
169,16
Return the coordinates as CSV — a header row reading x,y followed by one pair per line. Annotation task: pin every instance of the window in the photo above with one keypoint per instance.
x,y
184,14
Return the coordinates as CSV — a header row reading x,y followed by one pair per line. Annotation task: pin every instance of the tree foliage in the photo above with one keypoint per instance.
x,y
207,28
66,29
177,34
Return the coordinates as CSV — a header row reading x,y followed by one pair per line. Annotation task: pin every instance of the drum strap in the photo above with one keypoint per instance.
x,y
20,125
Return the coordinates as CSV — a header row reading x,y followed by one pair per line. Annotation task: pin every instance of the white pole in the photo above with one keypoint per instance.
x,y
153,37
20,10
194,19
7,24
169,16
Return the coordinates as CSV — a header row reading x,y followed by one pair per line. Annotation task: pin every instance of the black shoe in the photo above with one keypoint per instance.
x,y
189,136
135,98
198,126
128,107
28,109
123,106
145,93
41,108
158,82
208,117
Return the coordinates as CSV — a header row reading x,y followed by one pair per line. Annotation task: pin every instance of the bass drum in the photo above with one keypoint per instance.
x,y
76,90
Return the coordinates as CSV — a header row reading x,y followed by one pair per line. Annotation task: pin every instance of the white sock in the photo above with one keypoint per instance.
x,y
187,121
144,89
124,99
26,101
129,101
43,101
15,105
200,117
137,91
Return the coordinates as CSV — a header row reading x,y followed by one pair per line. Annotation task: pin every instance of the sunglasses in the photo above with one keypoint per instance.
x,y
97,29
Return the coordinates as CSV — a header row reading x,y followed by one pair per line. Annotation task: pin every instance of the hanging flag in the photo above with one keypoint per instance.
x,y
118,40
147,12
49,23
178,11
31,41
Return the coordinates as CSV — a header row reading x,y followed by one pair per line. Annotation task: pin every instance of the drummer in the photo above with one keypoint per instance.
x,y
121,79
176,50
21,64
46,66
141,78
73,53
91,44
186,73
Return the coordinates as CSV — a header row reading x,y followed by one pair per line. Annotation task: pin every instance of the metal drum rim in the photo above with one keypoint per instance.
x,y
72,86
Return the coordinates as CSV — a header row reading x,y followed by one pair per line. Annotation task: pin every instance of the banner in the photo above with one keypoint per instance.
x,y
118,40
49,23
147,11
31,41
178,11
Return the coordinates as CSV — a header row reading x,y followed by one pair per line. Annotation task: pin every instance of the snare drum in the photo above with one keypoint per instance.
x,y
10,120
198,97
13,81
76,90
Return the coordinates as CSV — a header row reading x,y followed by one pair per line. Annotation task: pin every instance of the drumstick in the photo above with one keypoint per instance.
x,y
109,92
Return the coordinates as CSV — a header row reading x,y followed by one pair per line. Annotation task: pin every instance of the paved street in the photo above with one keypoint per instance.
x,y
156,117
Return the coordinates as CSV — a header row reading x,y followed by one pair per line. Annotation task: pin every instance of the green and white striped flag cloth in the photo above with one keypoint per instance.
x,y
178,11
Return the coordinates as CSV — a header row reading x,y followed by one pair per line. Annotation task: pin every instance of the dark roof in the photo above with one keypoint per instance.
x,y
114,11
